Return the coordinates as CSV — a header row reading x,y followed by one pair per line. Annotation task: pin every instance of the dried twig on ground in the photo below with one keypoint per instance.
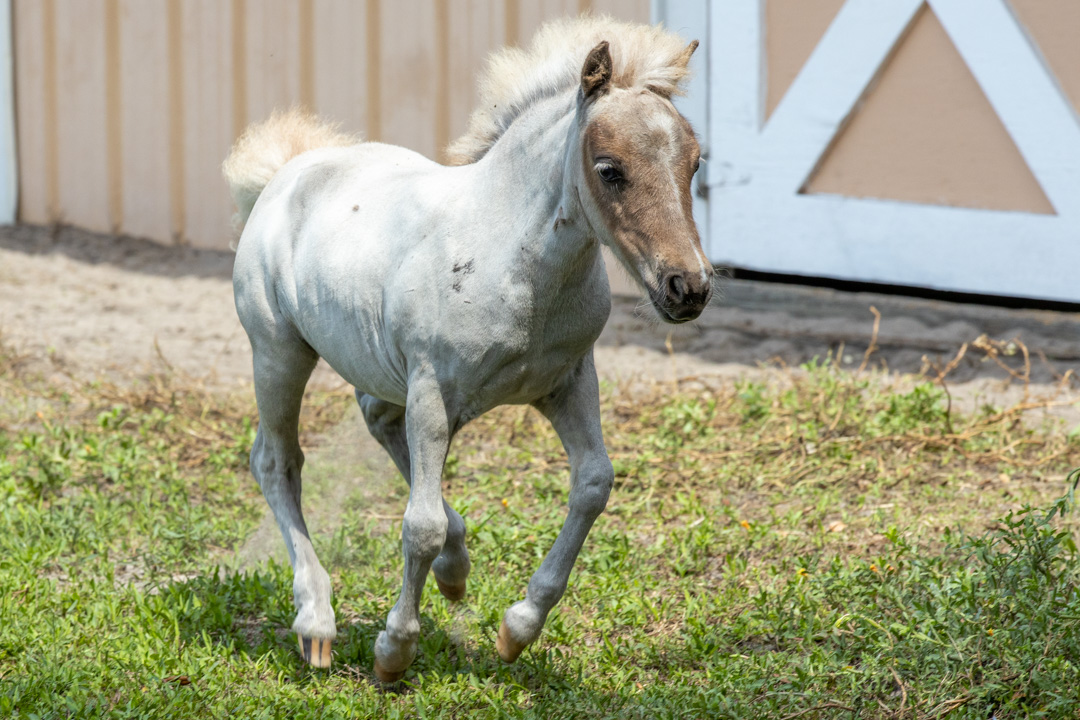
x,y
873,346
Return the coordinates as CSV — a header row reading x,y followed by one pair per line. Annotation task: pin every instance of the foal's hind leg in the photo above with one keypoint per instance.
x,y
386,422
282,369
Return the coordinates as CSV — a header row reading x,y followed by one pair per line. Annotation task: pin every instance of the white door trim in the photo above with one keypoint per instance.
x,y
9,178
827,88
1016,80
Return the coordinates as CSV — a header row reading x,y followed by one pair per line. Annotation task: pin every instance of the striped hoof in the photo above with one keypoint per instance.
x,y
509,649
316,651
453,593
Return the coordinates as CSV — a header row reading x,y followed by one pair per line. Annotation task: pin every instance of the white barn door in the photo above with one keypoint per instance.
x,y
754,211
8,175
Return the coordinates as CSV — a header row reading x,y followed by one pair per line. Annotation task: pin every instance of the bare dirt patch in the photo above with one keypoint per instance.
x,y
88,305
76,304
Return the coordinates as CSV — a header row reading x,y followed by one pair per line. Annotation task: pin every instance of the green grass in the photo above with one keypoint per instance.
x,y
829,546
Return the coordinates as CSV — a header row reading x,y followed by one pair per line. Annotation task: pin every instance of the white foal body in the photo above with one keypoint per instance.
x,y
441,292
383,262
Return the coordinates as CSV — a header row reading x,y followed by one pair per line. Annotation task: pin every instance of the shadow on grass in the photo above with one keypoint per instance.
x,y
246,617
250,613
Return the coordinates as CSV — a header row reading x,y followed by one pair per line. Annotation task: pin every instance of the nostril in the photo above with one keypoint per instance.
x,y
676,288
706,294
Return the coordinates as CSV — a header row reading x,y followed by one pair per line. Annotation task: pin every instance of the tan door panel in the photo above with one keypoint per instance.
x,y
792,31
925,133
1054,26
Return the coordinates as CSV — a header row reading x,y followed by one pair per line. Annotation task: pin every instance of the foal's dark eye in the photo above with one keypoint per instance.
x,y
697,166
608,173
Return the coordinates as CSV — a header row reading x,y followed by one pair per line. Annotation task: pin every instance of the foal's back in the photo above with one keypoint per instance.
x,y
340,201
324,241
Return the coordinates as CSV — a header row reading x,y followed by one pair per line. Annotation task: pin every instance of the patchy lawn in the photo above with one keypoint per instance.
x,y
833,545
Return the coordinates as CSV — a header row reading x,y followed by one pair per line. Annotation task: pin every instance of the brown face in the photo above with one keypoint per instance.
x,y
639,156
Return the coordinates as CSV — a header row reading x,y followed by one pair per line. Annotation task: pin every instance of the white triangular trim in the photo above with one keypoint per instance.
x,y
828,88
1016,80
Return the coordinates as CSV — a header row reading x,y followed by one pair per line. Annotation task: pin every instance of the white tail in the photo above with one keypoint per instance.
x,y
264,147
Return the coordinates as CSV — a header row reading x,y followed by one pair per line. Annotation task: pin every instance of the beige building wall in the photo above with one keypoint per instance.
x,y
126,108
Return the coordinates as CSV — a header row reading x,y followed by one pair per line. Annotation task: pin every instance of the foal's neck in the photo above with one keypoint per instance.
x,y
539,222
532,187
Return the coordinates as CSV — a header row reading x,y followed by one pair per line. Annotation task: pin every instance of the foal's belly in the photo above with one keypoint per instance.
x,y
480,364
359,361
515,381
348,251
342,318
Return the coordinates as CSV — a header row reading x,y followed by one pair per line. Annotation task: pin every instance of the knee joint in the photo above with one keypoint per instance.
x,y
592,486
268,459
424,532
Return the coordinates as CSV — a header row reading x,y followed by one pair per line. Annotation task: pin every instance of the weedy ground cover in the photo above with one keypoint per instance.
x,y
829,545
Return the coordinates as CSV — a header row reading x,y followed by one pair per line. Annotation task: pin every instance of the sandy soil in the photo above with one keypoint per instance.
x,y
81,304
93,304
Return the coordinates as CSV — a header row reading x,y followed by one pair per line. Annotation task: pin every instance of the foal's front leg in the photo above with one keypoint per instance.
x,y
423,528
386,422
574,412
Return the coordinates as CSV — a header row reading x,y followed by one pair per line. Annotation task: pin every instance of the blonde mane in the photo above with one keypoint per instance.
x,y
644,57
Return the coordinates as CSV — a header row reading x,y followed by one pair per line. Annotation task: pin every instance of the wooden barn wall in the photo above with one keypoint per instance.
x,y
126,108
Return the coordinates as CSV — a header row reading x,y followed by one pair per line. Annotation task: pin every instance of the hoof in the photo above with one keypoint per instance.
x,y
508,648
316,651
453,593
385,676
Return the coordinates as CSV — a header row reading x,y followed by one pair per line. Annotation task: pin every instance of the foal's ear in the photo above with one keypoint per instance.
x,y
684,57
596,73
